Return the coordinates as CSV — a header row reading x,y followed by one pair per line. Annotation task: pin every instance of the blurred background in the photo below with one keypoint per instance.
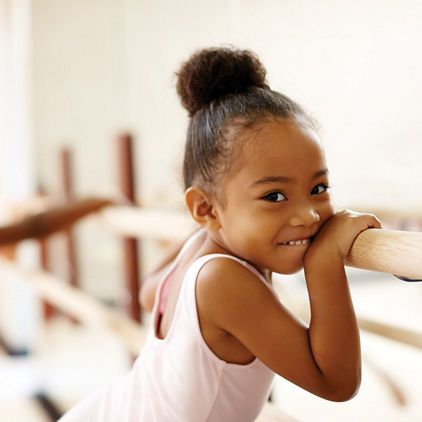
x,y
77,74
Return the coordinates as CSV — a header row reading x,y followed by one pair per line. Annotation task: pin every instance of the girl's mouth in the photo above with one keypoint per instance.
x,y
299,242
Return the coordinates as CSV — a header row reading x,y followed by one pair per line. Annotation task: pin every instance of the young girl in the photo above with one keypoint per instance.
x,y
256,180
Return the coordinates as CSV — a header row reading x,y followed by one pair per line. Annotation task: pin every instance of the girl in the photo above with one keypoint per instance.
x,y
256,180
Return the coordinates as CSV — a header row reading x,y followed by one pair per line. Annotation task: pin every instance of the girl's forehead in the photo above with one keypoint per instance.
x,y
282,140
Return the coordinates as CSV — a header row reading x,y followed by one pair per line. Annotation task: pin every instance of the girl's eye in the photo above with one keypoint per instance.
x,y
319,189
274,197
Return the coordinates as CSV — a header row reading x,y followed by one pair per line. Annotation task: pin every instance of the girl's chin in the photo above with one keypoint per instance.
x,y
288,269
296,270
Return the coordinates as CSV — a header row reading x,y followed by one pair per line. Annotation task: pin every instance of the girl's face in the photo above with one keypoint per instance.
x,y
277,200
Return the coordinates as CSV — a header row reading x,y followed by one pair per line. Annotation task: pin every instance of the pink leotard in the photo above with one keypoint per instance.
x,y
178,378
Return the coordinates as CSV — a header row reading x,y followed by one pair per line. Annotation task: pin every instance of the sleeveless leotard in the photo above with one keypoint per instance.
x,y
178,378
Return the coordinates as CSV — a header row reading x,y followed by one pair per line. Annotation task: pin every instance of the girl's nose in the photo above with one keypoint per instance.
x,y
304,216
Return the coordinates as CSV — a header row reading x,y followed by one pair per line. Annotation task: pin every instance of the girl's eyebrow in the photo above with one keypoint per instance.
x,y
285,179
320,173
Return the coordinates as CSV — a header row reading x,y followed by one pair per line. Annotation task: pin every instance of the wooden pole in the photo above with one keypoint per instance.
x,y
130,244
388,251
44,259
48,309
67,187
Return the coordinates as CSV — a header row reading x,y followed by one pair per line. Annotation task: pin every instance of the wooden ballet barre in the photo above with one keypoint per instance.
x,y
388,251
172,226
77,304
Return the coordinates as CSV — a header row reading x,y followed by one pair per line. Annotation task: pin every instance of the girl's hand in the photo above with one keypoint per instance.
x,y
336,236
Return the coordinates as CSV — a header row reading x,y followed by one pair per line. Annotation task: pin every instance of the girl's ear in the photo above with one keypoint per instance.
x,y
201,208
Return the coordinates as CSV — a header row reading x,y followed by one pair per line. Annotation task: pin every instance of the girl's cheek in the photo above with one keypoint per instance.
x,y
326,213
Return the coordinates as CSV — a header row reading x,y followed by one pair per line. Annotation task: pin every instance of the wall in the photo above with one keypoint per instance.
x,y
16,172
102,66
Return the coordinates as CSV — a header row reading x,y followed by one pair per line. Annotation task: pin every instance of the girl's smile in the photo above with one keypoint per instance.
x,y
300,242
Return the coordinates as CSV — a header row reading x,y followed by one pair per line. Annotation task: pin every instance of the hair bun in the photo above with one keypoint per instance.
x,y
212,73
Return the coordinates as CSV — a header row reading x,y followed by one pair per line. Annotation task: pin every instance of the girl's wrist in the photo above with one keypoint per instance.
x,y
322,254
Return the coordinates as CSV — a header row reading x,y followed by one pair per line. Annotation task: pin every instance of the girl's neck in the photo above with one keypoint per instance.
x,y
213,243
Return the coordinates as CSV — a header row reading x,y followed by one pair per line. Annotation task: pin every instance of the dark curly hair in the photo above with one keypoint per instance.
x,y
225,92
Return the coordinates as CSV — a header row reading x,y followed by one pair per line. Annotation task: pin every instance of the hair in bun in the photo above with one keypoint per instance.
x,y
215,72
226,95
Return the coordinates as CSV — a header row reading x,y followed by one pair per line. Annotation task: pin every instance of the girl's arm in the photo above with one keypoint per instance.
x,y
50,221
323,358
333,330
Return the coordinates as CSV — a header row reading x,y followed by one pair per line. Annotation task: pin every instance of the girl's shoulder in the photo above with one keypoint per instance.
x,y
230,269
227,289
226,283
224,279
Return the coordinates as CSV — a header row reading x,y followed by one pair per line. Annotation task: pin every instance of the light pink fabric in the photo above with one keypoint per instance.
x,y
178,378
164,293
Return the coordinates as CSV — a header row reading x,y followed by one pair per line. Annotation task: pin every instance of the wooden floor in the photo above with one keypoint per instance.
x,y
69,362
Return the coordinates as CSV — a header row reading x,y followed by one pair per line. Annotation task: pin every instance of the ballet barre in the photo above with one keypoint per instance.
x,y
169,226
388,251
